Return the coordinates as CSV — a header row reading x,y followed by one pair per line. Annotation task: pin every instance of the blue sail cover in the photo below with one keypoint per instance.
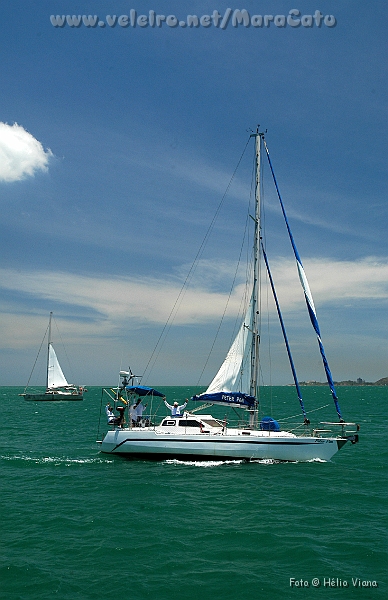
x,y
142,390
307,294
227,398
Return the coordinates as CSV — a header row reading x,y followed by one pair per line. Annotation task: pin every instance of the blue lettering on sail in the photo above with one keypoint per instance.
x,y
236,398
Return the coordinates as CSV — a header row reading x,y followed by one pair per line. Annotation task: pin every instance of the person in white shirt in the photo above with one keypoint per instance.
x,y
175,408
112,419
133,414
136,412
140,408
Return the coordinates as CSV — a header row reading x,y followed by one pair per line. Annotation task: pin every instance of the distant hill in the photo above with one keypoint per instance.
x,y
383,381
359,381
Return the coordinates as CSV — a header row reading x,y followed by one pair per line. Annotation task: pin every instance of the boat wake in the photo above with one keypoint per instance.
x,y
203,463
219,463
266,461
55,460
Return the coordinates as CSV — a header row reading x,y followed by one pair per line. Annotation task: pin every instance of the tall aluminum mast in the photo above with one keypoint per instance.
x,y
256,268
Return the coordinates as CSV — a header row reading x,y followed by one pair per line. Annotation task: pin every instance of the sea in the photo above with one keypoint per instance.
x,y
80,525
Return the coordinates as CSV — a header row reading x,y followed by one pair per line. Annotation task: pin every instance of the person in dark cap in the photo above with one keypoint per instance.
x,y
175,408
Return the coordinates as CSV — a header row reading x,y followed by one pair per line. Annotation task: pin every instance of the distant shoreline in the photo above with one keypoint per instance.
x,y
349,382
358,382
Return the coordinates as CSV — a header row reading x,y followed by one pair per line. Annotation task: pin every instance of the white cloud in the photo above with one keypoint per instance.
x,y
124,316
115,301
20,153
335,281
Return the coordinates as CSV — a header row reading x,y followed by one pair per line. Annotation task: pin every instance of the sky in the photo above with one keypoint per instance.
x,y
117,148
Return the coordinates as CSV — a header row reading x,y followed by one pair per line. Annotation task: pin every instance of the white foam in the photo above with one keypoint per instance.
x,y
56,460
203,463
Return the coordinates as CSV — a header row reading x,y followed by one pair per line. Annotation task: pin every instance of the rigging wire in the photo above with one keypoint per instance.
x,y
166,328
249,262
224,312
307,294
308,412
36,359
270,282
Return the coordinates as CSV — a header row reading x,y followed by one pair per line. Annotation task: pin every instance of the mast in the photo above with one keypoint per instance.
x,y
256,268
48,351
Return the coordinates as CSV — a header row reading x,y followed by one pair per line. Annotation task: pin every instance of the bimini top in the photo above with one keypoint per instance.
x,y
231,398
142,390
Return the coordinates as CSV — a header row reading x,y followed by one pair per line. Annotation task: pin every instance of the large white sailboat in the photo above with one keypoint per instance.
x,y
196,436
57,387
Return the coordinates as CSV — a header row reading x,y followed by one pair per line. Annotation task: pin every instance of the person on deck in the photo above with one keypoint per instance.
x,y
133,414
140,408
112,419
175,408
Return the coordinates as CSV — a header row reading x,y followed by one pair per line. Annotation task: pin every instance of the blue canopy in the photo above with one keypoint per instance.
x,y
223,398
142,390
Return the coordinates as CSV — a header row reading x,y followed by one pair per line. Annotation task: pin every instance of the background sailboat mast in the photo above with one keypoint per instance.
x,y
48,351
256,267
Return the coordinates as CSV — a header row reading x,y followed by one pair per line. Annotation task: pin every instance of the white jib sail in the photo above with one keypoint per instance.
x,y
234,373
55,377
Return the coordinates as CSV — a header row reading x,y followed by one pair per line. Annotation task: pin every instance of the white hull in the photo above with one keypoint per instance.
x,y
152,443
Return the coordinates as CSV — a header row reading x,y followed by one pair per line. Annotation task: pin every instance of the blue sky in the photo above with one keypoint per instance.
x,y
125,142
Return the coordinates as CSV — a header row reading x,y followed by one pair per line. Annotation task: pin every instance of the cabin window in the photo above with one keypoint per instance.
x,y
212,423
189,423
168,423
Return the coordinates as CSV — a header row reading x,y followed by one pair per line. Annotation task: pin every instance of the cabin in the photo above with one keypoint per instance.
x,y
192,424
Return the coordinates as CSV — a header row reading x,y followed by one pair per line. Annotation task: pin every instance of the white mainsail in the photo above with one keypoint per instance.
x,y
234,374
55,376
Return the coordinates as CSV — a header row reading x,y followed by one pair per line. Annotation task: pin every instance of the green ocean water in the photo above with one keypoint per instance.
x,y
80,525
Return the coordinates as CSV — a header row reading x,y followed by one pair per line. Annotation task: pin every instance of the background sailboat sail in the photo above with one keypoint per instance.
x,y
57,387
55,376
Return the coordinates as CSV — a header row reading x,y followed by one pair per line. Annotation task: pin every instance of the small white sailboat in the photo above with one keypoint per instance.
x,y
57,387
194,436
